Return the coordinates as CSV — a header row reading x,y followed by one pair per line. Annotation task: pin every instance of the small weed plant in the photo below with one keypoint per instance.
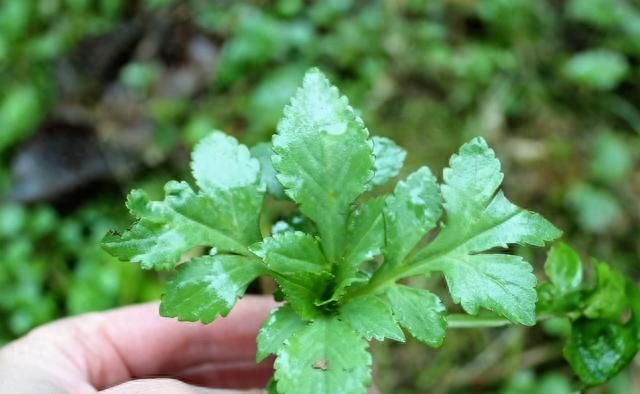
x,y
339,266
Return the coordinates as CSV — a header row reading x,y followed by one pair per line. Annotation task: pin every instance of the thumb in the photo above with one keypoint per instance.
x,y
168,386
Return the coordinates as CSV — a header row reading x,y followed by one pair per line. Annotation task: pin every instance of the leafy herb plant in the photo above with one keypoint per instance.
x,y
340,278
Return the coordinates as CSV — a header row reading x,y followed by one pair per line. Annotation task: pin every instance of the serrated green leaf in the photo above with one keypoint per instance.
x,y
208,286
502,283
281,325
323,157
420,312
564,268
366,238
166,229
299,267
223,214
263,152
479,218
303,291
389,159
219,163
366,232
326,357
225,172
372,318
597,349
608,299
292,252
410,212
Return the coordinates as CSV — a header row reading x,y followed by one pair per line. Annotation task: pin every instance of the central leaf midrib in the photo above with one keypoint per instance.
x,y
317,267
501,285
241,246
357,246
419,261
200,290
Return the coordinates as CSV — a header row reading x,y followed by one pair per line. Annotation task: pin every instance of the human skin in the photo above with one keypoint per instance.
x,y
133,350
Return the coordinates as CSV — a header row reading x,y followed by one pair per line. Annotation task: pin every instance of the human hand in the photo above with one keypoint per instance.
x,y
133,350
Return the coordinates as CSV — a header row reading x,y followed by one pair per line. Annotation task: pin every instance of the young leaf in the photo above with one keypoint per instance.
x,y
564,268
366,232
480,218
292,252
597,350
263,153
219,163
166,229
208,286
412,210
389,159
371,317
298,265
325,357
608,299
420,312
366,238
281,325
225,171
323,158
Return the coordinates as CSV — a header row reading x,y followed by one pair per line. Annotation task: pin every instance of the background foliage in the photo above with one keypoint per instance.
x,y
102,96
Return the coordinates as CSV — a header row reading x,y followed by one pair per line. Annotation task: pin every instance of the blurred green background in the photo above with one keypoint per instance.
x,y
99,96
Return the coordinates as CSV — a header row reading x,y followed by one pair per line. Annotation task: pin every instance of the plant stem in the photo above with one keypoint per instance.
x,y
384,277
461,320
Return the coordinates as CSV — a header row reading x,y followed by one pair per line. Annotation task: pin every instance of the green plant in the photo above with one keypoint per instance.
x,y
53,266
340,278
604,314
33,36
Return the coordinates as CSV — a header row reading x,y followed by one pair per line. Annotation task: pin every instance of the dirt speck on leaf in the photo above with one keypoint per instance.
x,y
322,364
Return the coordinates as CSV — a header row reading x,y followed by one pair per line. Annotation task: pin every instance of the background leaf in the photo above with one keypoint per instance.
x,y
597,350
608,299
564,268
